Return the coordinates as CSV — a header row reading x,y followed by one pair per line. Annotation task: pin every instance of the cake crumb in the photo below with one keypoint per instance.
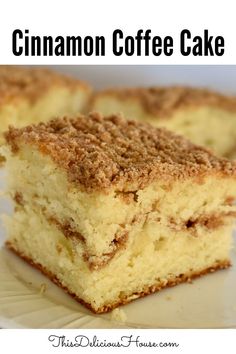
x,y
118,315
168,298
43,288
2,161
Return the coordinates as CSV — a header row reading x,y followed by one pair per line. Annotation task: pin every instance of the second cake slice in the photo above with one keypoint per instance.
x,y
205,117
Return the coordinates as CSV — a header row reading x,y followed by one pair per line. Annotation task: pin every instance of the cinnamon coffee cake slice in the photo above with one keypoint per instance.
x,y
32,95
112,210
205,117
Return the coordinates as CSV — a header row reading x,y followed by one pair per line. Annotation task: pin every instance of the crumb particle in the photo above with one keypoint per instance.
x,y
59,248
168,298
118,315
43,288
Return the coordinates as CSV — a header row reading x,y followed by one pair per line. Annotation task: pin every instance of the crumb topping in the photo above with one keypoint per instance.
x,y
164,101
18,82
99,153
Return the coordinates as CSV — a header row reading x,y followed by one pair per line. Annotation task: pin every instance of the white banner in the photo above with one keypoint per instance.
x,y
118,341
123,32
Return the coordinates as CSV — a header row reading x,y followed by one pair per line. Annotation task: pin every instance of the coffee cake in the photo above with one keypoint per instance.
x,y
31,95
99,201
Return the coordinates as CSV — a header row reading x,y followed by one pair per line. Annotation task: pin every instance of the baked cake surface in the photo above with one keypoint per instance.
x,y
99,201
30,95
206,117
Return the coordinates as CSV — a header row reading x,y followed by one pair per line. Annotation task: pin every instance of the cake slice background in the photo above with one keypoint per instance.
x,y
206,117
30,95
100,201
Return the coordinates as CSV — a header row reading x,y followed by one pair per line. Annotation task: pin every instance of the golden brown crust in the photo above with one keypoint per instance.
x,y
100,153
162,102
125,300
31,83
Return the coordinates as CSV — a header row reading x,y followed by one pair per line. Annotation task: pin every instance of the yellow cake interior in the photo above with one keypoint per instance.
x,y
150,260
166,231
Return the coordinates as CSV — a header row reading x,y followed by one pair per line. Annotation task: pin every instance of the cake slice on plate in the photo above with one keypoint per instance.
x,y
112,210
205,117
31,95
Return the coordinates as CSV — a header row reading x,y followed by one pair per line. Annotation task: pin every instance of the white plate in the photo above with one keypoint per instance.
x,y
209,302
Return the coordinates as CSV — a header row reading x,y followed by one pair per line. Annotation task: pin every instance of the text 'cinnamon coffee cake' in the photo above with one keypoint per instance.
x,y
112,210
205,117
